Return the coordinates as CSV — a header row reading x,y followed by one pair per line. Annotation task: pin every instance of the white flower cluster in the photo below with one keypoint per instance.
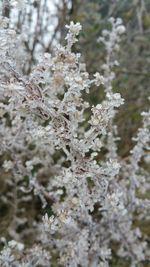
x,y
8,165
111,38
99,79
73,31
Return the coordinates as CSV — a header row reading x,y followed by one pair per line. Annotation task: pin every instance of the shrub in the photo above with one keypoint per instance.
x,y
56,146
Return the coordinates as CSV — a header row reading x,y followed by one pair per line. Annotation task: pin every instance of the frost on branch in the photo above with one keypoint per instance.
x,y
92,201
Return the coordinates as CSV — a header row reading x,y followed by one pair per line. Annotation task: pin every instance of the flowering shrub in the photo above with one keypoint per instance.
x,y
48,131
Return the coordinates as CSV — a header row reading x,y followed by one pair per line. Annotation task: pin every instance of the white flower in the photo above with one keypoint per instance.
x,y
119,21
105,32
8,165
105,253
121,29
29,165
74,28
115,99
14,244
99,79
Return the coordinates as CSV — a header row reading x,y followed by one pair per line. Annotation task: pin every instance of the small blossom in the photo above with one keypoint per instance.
x,y
121,29
74,28
99,79
8,165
